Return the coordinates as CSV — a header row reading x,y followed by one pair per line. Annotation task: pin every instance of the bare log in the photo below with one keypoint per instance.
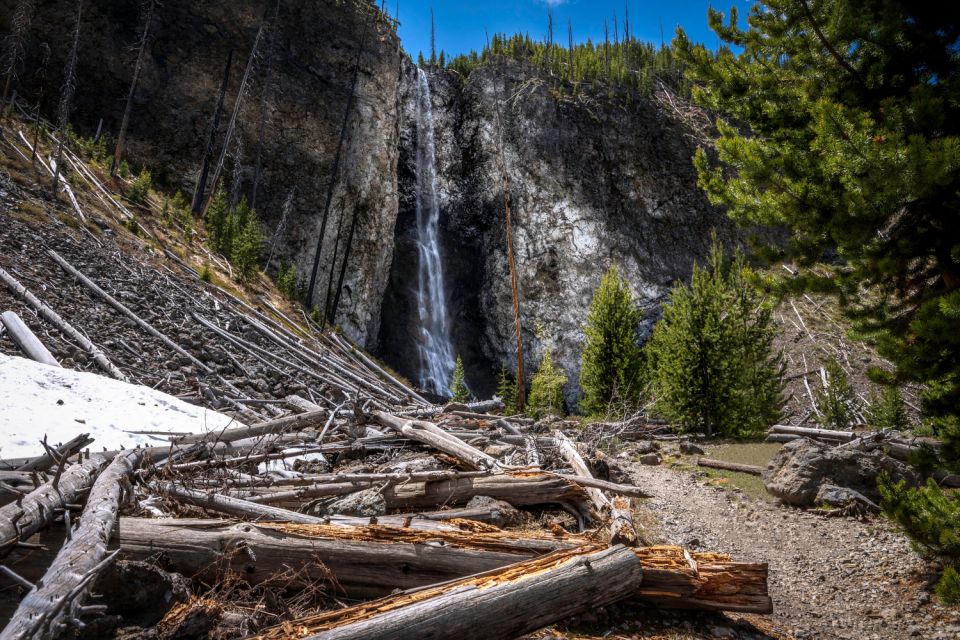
x,y
507,603
116,304
39,508
753,470
842,436
268,427
432,435
55,602
65,327
26,340
70,448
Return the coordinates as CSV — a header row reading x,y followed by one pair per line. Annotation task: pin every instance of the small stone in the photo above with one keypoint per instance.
x,y
646,446
650,459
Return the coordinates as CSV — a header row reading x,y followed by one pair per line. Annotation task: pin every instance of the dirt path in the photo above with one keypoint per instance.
x,y
829,577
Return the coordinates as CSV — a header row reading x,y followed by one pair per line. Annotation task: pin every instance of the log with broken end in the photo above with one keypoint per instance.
x,y
501,604
432,435
268,427
26,340
53,605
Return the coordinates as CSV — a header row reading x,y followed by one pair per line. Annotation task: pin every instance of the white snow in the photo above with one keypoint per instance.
x,y
38,400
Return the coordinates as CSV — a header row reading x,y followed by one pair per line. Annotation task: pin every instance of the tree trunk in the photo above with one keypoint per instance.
x,y
26,340
122,136
197,204
432,435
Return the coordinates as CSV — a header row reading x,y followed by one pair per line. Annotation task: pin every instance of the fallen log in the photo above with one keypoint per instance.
x,y
432,435
26,340
506,603
20,520
51,316
54,604
753,470
268,427
811,432
69,448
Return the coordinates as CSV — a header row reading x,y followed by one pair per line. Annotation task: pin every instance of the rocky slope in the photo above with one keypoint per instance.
x,y
598,179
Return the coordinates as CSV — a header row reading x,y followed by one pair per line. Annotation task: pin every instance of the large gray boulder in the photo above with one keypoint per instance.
x,y
800,468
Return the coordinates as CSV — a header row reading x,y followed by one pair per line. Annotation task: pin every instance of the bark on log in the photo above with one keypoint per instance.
x,y
116,304
268,427
432,435
41,506
53,605
730,466
503,604
843,436
51,316
26,340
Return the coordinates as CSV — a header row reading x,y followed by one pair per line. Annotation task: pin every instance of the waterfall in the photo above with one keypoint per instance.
x,y
435,349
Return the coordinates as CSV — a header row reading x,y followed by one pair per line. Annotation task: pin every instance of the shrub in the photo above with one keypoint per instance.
x,y
458,385
176,210
836,400
287,281
887,410
206,274
133,225
948,587
546,389
124,169
248,243
140,189
611,361
710,359
507,391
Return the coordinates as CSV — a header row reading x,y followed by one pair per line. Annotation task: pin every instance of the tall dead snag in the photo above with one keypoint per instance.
x,y
505,603
197,204
66,97
13,51
511,264
335,169
39,508
265,103
55,603
232,125
122,136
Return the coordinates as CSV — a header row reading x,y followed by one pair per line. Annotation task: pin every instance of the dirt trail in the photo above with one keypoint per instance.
x,y
829,577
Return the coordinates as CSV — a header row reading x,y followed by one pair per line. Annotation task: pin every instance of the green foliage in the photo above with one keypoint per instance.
x,y
837,400
140,189
133,225
124,169
458,385
315,315
626,62
611,363
546,389
930,516
235,233
287,281
507,391
887,410
206,274
711,359
176,210
95,150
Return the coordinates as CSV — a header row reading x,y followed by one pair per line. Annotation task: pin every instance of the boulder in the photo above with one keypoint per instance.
x,y
646,446
834,496
690,449
650,459
364,504
798,471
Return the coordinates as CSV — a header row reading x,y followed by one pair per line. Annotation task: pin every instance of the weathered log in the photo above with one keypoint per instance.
x,y
268,427
39,508
432,435
383,372
753,470
54,603
26,340
612,487
502,604
843,436
116,304
69,448
51,316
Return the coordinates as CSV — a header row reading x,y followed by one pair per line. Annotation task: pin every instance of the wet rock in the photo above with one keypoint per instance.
x,y
800,468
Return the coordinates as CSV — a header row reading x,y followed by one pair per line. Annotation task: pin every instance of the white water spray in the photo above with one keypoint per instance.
x,y
436,351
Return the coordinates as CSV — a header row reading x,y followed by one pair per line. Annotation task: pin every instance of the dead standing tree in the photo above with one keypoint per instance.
x,y
264,104
122,136
66,97
13,54
211,139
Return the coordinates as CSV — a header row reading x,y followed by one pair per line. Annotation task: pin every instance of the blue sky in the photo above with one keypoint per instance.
x,y
460,26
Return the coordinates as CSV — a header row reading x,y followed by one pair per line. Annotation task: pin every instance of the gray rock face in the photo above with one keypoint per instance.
x,y
799,470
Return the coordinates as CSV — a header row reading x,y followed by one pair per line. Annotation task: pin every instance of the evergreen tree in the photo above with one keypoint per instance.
x,y
711,359
887,410
140,189
836,399
248,241
546,389
507,391
844,130
458,385
611,363
218,224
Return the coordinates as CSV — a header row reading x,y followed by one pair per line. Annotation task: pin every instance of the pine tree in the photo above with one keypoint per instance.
x,y
218,223
847,136
711,359
836,399
507,391
546,389
458,385
248,241
887,410
611,363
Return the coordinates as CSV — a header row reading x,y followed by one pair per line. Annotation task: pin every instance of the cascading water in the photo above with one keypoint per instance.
x,y
436,351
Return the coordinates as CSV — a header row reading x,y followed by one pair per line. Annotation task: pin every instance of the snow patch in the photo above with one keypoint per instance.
x,y
37,400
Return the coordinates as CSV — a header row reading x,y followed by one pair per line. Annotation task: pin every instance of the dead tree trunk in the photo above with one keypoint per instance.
x,y
500,604
730,466
122,136
22,16
47,460
39,508
66,97
197,204
26,340
432,435
54,604
66,328
264,103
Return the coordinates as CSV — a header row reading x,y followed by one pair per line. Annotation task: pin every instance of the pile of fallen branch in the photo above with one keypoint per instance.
x,y
448,515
